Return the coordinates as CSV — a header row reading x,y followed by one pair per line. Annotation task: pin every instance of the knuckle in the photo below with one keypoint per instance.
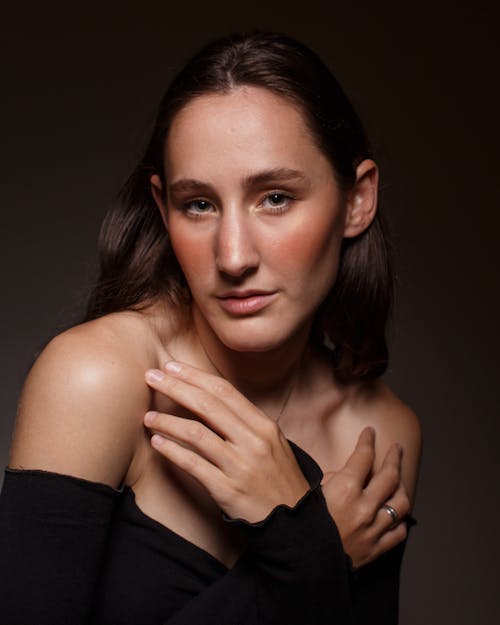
x,y
205,405
195,431
404,505
349,486
363,515
262,446
170,384
401,503
345,486
224,497
246,477
222,388
271,429
267,435
191,463
348,478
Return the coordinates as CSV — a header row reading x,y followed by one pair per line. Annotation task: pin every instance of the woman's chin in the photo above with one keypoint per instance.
x,y
255,333
250,344
257,339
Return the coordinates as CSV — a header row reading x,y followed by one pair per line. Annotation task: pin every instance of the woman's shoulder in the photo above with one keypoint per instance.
x,y
394,421
380,405
82,404
95,355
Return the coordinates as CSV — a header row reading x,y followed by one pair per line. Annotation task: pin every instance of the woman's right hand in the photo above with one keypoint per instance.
x,y
356,497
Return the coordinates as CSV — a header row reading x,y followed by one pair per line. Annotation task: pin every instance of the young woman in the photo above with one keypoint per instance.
x,y
213,444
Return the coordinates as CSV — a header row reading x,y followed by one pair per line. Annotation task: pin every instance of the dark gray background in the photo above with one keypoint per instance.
x,y
79,93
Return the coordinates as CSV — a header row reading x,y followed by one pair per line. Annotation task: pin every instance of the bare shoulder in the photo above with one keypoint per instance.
x,y
394,422
388,413
82,404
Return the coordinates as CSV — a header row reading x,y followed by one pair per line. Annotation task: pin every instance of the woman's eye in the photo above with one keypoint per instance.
x,y
277,201
197,207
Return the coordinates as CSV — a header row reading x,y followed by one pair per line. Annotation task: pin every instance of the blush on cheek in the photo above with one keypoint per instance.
x,y
191,256
316,247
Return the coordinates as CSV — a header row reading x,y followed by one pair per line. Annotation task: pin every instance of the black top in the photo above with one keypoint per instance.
x,y
75,552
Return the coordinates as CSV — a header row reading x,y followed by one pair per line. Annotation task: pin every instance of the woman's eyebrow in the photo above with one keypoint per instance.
x,y
278,174
187,185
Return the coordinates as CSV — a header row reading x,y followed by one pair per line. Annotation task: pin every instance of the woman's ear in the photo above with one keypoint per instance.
x,y
158,196
362,199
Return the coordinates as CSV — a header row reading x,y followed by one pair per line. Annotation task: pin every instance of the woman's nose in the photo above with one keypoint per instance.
x,y
236,253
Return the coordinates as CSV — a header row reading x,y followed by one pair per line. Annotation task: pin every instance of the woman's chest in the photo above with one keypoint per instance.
x,y
170,496
329,440
177,501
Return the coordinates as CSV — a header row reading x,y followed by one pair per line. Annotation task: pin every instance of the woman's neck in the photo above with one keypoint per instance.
x,y
267,378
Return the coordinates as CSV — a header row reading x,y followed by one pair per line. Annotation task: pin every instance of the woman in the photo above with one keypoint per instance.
x,y
242,301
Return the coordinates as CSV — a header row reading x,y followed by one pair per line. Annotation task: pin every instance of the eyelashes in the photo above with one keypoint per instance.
x,y
275,202
278,201
196,208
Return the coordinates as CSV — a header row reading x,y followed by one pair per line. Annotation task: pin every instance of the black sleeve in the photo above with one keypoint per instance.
x,y
294,570
52,538
375,587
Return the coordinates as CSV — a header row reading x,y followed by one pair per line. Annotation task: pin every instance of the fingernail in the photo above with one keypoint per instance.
x,y
154,375
149,417
157,440
172,367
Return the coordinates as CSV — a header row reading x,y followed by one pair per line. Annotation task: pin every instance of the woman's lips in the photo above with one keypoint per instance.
x,y
246,303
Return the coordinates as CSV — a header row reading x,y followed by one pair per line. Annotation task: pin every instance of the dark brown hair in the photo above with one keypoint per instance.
x,y
136,259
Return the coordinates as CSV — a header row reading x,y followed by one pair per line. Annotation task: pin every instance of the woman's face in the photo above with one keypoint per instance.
x,y
254,214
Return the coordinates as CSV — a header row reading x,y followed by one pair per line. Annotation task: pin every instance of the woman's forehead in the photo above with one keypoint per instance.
x,y
248,127
243,107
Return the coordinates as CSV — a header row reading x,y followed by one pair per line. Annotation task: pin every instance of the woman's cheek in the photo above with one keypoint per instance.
x,y
314,249
193,254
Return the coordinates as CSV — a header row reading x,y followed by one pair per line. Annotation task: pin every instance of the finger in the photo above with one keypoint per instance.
x,y
207,474
208,385
205,404
387,479
198,436
399,504
360,462
391,539
219,387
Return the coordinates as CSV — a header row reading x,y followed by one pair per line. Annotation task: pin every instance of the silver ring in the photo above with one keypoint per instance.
x,y
391,512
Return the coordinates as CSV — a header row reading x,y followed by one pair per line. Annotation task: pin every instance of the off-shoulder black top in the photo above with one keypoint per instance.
x,y
75,552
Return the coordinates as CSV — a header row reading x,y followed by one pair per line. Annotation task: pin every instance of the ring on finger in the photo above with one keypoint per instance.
x,y
392,512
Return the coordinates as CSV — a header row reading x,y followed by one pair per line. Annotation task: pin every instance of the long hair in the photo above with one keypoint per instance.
x,y
137,264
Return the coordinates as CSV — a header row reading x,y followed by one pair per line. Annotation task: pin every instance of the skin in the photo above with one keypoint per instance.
x,y
214,409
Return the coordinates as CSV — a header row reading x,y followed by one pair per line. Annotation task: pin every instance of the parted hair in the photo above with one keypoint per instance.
x,y
137,263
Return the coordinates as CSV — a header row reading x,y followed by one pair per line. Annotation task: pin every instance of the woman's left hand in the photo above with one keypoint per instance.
x,y
237,452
